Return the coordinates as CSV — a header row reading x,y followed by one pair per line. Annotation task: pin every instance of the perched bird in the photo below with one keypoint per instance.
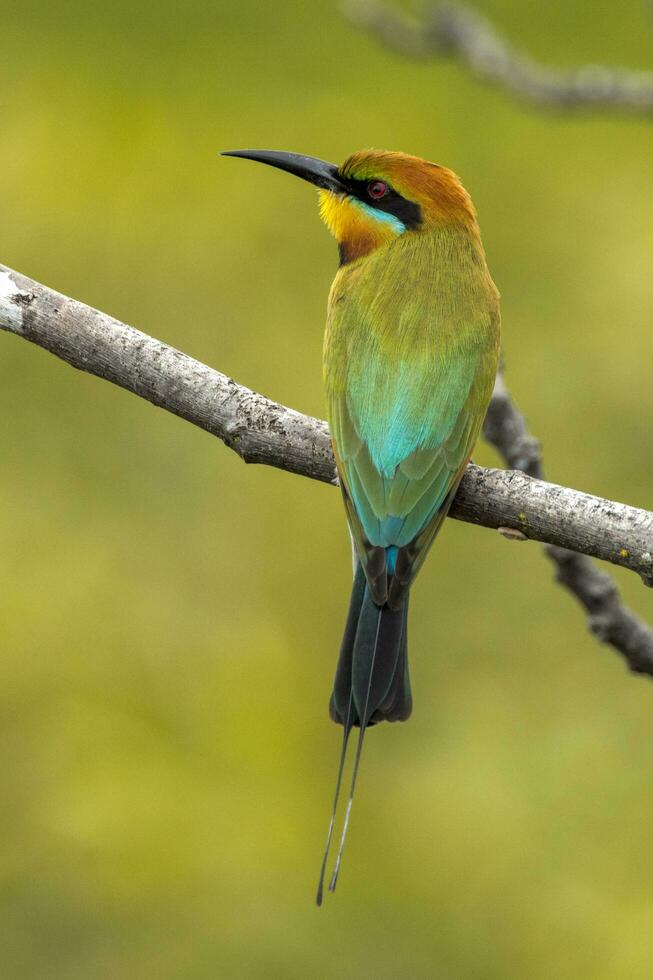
x,y
410,357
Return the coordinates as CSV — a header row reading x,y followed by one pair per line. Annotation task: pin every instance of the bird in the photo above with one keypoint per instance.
x,y
411,351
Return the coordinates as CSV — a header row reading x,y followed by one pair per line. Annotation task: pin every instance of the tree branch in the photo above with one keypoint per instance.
x,y
262,431
258,429
456,31
609,619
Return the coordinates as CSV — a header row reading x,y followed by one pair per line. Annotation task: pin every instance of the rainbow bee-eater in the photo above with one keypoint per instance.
x,y
410,358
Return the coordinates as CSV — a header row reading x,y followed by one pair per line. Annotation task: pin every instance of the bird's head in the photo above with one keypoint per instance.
x,y
377,196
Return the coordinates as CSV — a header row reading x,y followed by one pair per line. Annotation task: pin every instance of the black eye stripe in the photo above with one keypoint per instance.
x,y
408,212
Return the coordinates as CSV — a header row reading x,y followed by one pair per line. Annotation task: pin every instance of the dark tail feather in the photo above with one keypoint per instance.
x,y
390,698
341,695
398,702
371,685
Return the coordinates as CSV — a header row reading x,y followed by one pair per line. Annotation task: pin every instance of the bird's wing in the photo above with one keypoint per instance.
x,y
408,381
401,510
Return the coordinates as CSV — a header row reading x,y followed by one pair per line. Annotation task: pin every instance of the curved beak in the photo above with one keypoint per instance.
x,y
318,172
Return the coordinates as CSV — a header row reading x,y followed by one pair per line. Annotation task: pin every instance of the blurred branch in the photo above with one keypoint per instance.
x,y
608,618
457,31
262,431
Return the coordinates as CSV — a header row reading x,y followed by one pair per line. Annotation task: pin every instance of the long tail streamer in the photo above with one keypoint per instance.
x,y
343,752
345,827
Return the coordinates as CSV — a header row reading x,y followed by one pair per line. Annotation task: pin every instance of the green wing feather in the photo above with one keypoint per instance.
x,y
409,373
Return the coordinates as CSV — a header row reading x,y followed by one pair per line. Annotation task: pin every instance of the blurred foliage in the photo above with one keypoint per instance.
x,y
171,618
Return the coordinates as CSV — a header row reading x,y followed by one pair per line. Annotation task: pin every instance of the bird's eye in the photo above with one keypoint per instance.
x,y
377,189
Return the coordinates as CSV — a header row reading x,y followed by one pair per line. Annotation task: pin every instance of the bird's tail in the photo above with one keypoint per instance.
x,y
371,685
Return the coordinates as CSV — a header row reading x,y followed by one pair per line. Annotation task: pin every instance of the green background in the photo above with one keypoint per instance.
x,y
170,617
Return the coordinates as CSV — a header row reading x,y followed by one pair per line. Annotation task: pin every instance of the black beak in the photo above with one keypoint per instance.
x,y
315,171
